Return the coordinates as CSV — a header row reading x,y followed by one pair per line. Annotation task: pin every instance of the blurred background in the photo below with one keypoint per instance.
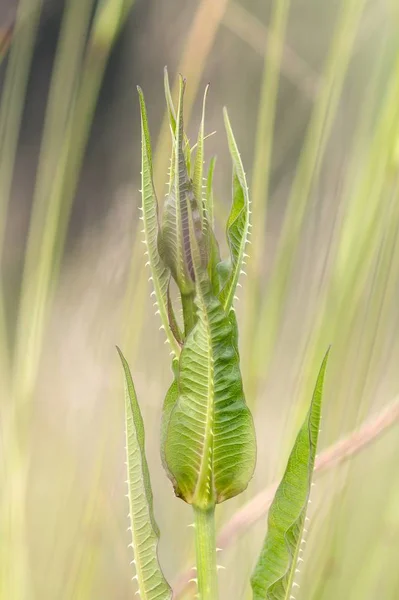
x,y
312,89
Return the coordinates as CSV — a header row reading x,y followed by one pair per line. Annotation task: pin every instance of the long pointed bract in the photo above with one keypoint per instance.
x,y
274,574
145,533
159,272
237,224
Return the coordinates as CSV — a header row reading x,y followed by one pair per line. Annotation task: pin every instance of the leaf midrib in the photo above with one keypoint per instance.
x,y
205,471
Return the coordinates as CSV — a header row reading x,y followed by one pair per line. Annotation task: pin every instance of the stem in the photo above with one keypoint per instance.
x,y
205,550
187,301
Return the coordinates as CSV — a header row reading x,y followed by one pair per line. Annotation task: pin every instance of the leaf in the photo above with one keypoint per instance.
x,y
176,251
172,123
209,193
168,405
173,324
212,243
274,573
199,160
145,533
237,224
175,239
160,274
169,102
210,446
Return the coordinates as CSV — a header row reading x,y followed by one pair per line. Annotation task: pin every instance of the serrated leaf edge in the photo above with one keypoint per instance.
x,y
238,170
145,550
160,275
292,566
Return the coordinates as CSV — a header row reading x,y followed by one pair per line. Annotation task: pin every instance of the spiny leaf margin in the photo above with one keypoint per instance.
x,y
145,533
159,273
274,573
238,224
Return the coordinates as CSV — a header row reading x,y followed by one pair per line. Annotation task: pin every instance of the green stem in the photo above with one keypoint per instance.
x,y
205,550
187,301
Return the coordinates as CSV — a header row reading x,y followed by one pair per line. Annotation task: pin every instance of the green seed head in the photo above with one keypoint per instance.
x,y
182,206
208,440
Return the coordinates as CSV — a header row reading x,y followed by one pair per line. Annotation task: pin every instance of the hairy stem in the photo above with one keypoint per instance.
x,y
205,550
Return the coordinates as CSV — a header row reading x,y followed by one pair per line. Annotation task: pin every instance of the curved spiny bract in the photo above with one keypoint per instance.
x,y
237,225
211,241
274,574
198,170
145,533
159,272
209,200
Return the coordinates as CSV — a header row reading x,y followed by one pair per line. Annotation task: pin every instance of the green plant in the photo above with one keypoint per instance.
x,y
208,445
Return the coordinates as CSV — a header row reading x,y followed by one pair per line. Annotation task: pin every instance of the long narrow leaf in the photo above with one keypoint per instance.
x,y
213,246
160,274
273,577
209,200
238,222
199,158
145,533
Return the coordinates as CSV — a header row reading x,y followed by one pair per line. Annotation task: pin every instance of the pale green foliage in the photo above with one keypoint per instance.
x,y
208,439
237,224
209,192
159,272
213,246
274,574
145,534
198,169
210,447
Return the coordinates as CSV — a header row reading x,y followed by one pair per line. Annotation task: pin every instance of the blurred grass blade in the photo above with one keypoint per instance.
x,y
159,273
237,224
48,228
264,141
21,37
366,192
13,97
15,576
62,95
6,33
47,232
274,574
306,177
145,533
